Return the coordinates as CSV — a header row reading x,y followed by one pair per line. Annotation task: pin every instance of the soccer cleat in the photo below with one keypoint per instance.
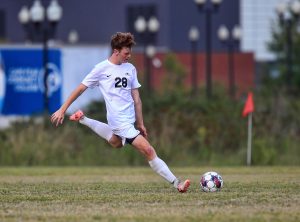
x,y
182,187
77,116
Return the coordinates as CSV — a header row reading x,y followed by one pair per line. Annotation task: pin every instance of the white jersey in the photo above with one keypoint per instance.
x,y
115,83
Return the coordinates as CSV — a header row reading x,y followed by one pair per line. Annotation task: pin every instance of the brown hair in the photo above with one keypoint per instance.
x,y
122,39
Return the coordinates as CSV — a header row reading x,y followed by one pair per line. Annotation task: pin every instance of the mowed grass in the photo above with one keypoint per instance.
x,y
138,194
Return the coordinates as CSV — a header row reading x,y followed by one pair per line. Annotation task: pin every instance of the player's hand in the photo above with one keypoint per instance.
x,y
143,131
58,117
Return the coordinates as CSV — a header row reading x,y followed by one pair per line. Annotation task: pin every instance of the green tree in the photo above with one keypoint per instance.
x,y
175,74
285,42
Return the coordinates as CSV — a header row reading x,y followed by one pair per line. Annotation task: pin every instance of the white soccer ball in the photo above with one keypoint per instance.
x,y
211,182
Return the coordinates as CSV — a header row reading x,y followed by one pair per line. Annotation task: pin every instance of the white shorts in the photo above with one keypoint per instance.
x,y
127,132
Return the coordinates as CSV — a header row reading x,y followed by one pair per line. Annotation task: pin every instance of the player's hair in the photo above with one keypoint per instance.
x,y
122,39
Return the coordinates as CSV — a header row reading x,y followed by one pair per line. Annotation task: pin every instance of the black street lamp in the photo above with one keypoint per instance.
x,y
45,24
289,14
230,40
208,14
194,37
147,30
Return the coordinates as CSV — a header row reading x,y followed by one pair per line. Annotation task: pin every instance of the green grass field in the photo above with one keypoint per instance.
x,y
138,194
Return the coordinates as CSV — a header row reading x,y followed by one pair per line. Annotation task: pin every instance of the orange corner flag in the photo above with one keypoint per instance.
x,y
249,106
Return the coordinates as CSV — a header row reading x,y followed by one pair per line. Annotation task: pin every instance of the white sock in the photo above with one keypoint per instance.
x,y
160,167
102,129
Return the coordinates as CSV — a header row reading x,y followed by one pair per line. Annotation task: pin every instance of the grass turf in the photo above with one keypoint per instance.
x,y
138,194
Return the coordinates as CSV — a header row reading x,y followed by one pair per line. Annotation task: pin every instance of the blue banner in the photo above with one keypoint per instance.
x,y
22,87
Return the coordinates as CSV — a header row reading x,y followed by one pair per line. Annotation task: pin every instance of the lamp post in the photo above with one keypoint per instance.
x,y
24,18
45,24
209,10
194,37
150,53
147,30
289,15
73,37
230,39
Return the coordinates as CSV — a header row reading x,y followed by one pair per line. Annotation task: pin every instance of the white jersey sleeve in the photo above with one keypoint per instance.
x,y
92,79
135,83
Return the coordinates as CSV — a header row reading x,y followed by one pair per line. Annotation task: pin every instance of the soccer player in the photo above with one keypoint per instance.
x,y
117,80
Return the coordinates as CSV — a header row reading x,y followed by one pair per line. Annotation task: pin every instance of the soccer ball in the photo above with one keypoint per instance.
x,y
211,182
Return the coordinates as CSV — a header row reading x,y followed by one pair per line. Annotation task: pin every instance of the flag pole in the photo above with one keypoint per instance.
x,y
249,151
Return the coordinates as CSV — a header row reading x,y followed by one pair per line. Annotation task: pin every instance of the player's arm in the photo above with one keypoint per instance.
x,y
58,117
138,111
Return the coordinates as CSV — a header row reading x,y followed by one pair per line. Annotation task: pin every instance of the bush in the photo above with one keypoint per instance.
x,y
184,131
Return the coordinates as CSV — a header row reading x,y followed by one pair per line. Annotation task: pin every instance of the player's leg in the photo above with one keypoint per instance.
x,y
115,141
101,129
157,164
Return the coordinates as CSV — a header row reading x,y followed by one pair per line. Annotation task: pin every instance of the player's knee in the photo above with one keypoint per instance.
x,y
115,143
149,152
